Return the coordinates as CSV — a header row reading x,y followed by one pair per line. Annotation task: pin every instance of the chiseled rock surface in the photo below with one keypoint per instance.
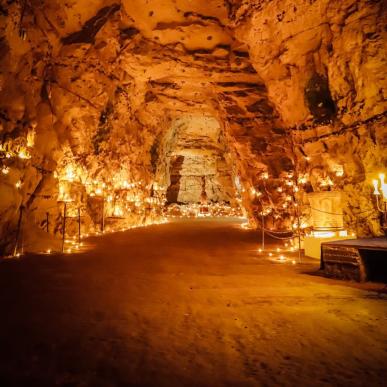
x,y
99,85
323,63
290,42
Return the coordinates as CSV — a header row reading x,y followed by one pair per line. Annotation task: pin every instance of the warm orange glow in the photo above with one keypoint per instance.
x,y
24,154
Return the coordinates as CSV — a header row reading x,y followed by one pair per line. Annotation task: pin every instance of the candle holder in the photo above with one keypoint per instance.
x,y
380,192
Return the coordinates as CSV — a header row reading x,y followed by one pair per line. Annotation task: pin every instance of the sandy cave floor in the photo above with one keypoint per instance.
x,y
189,303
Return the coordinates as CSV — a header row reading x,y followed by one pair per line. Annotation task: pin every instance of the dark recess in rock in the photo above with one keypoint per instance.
x,y
3,11
92,26
259,145
128,33
174,187
149,96
258,87
280,131
4,47
163,84
103,130
319,100
249,69
203,17
260,107
154,154
235,110
242,54
279,164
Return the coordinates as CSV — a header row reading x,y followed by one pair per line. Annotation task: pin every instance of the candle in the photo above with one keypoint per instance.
x,y
376,190
384,191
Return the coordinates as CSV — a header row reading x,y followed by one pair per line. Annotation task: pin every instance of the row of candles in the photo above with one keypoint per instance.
x,y
73,245
95,188
288,191
200,210
120,192
380,186
19,148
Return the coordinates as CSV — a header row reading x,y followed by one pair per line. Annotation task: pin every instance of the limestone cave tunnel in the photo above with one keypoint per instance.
x,y
192,193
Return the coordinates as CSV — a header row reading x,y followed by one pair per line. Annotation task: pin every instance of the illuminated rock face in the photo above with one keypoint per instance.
x,y
193,166
295,87
335,48
323,63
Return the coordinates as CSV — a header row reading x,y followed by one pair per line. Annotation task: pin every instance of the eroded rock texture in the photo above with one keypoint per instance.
x,y
137,102
324,64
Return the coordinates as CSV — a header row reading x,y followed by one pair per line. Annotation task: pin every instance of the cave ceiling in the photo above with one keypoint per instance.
x,y
178,54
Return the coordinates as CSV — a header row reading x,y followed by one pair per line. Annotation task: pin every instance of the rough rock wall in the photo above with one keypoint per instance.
x,y
298,46
64,91
96,84
324,65
89,88
192,161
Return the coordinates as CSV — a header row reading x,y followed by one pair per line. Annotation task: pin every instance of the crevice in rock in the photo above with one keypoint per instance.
x,y
92,26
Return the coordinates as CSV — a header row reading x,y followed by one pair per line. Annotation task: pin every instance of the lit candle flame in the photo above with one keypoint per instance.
x,y
382,177
23,154
376,190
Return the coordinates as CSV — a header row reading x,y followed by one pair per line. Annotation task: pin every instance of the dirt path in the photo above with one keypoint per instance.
x,y
189,303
